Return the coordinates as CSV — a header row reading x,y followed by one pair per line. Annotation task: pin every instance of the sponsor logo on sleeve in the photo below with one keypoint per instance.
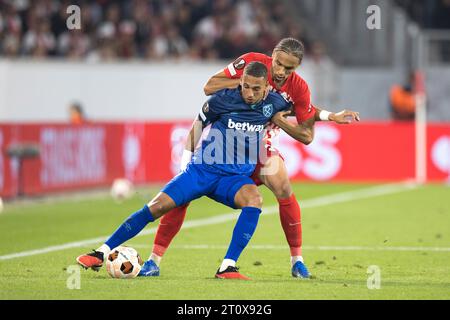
x,y
204,110
205,107
239,64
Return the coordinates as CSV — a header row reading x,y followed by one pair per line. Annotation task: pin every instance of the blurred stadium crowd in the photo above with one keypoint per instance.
x,y
146,29
160,29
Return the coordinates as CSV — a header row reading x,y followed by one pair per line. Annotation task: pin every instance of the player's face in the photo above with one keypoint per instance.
x,y
253,88
283,64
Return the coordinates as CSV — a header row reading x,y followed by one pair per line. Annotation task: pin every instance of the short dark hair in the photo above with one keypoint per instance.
x,y
256,69
291,46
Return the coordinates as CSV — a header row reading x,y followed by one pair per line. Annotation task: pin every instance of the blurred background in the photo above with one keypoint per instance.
x,y
114,98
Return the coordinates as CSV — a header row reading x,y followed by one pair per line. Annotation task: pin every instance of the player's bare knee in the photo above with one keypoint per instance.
x,y
249,196
255,201
160,205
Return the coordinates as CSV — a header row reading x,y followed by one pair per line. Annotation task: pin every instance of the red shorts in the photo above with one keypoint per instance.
x,y
271,151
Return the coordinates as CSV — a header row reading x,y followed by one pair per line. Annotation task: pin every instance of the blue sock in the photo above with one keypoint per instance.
x,y
131,227
243,232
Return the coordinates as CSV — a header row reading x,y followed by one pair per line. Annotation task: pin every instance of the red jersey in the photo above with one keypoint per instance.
x,y
295,89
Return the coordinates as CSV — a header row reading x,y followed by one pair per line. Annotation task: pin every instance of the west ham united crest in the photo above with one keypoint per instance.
x,y
268,110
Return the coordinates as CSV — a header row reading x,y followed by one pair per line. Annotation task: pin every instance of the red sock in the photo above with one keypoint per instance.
x,y
290,217
168,227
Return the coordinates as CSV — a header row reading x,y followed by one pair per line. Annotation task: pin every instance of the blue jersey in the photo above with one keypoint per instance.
x,y
237,128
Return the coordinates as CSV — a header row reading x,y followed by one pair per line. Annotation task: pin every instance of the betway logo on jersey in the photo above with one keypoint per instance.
x,y
245,126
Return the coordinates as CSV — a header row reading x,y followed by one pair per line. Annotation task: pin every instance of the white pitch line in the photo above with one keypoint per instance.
x,y
320,248
309,203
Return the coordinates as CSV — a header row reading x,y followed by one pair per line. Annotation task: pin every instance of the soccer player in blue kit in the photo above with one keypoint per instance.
x,y
220,168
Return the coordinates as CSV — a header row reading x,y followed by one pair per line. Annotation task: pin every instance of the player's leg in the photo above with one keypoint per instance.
x,y
172,195
158,206
161,204
238,192
168,227
171,222
274,175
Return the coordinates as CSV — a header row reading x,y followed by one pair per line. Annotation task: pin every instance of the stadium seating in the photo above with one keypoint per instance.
x,y
110,30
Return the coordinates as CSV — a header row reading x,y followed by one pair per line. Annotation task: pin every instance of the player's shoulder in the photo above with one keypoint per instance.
x,y
298,85
277,99
227,92
220,93
258,56
224,96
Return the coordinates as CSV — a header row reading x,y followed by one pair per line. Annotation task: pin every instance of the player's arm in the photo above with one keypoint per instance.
x,y
302,132
208,114
194,135
218,82
228,78
191,142
342,117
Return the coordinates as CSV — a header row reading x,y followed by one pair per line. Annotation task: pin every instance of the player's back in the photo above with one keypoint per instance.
x,y
234,140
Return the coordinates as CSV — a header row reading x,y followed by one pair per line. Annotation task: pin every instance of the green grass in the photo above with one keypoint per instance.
x,y
409,219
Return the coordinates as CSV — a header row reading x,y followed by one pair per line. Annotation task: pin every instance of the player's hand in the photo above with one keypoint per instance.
x,y
280,116
345,117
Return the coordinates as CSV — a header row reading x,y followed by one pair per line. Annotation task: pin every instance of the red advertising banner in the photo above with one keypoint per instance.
x,y
438,159
70,157
360,152
8,167
83,156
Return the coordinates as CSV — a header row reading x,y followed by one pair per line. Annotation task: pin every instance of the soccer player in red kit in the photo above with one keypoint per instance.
x,y
286,57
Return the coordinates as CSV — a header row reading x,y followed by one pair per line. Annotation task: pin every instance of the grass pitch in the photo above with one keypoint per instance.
x,y
405,234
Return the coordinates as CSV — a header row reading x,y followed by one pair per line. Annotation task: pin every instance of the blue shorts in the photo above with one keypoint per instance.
x,y
196,182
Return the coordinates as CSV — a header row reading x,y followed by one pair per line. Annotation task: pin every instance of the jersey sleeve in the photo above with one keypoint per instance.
x,y
236,68
281,103
304,110
211,110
